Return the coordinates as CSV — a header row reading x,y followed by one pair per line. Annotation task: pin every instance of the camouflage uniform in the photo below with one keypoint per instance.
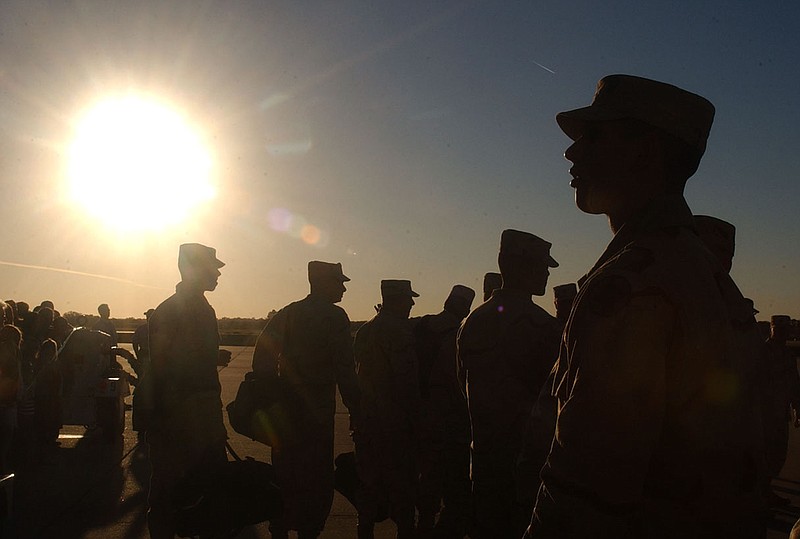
x,y
656,433
315,353
507,346
388,427
187,430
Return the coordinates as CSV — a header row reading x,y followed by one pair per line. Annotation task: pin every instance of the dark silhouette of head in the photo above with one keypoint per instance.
x,y
639,139
397,297
199,266
491,281
719,237
327,280
524,262
459,302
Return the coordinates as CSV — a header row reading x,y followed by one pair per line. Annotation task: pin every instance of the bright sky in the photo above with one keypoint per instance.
x,y
399,138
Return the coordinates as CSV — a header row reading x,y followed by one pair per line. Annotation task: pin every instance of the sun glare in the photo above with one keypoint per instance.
x,y
135,164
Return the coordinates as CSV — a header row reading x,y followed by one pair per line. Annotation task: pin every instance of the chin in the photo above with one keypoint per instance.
x,y
583,202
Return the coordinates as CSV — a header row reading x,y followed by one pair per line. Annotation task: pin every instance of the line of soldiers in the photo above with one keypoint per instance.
x,y
637,413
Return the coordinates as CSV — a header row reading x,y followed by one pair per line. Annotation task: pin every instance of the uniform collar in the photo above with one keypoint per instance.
x,y
662,212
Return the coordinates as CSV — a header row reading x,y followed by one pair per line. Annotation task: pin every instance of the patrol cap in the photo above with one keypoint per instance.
x,y
492,281
565,291
325,270
684,115
462,293
195,254
779,320
718,235
526,245
397,287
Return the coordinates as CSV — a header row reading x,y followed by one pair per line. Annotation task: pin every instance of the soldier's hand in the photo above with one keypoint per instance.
x,y
223,358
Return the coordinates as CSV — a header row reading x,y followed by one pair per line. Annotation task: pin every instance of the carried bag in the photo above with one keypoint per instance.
x,y
225,498
260,409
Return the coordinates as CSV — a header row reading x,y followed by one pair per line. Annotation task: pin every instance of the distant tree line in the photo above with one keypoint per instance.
x,y
236,325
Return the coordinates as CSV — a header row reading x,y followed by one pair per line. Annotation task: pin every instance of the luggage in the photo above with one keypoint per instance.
x,y
224,499
260,409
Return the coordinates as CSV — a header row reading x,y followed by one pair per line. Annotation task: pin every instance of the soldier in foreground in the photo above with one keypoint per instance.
x,y
444,438
386,433
507,347
654,435
308,344
186,431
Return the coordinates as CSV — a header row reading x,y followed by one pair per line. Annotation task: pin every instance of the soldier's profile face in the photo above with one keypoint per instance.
x,y
539,275
207,277
604,167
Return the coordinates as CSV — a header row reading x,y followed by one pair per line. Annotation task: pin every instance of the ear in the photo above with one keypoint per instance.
x,y
651,157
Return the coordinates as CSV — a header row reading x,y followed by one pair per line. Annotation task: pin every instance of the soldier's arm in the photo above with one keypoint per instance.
x,y
609,421
341,347
163,342
270,345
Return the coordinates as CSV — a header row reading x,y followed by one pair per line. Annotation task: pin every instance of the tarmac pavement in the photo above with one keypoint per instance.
x,y
89,488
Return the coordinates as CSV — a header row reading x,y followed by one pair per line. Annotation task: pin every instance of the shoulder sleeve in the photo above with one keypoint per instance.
x,y
270,344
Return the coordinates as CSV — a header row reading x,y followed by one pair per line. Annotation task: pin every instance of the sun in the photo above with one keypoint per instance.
x,y
136,164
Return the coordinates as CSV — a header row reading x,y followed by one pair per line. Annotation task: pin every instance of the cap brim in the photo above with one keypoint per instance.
x,y
573,122
414,294
219,263
344,278
551,262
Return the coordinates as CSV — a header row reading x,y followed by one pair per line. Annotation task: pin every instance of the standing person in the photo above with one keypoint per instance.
x,y
309,346
507,347
444,422
105,324
655,435
186,431
563,298
491,281
781,395
387,431
10,381
140,342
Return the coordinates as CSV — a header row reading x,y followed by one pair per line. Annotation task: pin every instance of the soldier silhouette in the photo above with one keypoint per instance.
x,y
652,439
386,434
444,487
308,345
506,348
491,281
186,431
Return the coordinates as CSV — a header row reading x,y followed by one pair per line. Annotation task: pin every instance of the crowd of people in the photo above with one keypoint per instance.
x,y
651,406
31,378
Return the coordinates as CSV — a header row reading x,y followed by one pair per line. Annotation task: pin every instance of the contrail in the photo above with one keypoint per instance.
x,y
81,273
543,67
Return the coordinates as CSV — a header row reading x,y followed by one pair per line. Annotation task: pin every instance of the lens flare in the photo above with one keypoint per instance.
x,y
297,226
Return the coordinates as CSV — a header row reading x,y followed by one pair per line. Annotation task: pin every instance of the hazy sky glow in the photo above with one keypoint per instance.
x,y
399,138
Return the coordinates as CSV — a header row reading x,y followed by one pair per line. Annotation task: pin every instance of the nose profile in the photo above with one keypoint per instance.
x,y
570,152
